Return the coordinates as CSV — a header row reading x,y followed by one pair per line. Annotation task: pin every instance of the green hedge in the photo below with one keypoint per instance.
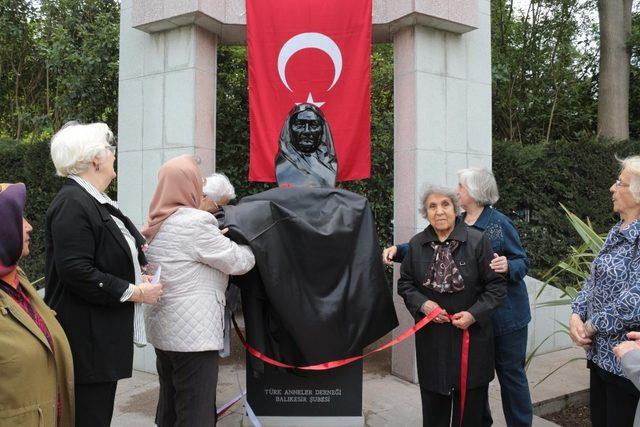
x,y
539,177
29,162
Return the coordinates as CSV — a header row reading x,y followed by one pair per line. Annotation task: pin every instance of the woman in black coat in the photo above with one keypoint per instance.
x,y
93,259
447,268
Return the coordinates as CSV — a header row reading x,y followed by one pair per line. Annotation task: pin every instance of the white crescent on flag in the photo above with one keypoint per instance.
x,y
309,41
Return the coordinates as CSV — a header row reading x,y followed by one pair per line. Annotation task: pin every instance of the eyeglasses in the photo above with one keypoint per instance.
x,y
112,148
620,184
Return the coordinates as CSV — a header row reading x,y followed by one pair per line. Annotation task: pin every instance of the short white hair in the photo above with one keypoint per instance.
x,y
218,187
75,145
481,185
433,189
632,164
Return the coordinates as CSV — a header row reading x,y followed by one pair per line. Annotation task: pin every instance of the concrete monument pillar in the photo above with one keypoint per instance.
x,y
442,100
167,105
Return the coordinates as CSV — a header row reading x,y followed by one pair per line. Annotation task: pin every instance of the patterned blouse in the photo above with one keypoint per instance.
x,y
610,298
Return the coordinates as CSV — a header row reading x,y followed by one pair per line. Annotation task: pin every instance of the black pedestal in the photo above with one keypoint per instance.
x,y
292,393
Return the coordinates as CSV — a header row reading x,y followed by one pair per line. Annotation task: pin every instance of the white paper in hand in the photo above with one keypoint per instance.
x,y
156,277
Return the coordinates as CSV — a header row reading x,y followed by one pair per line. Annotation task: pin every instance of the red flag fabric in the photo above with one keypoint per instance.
x,y
310,51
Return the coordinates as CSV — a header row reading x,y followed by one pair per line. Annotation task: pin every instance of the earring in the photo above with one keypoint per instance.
x,y
97,168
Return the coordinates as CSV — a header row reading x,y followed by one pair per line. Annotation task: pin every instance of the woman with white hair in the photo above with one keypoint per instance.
x,y
607,307
447,267
478,191
217,191
93,274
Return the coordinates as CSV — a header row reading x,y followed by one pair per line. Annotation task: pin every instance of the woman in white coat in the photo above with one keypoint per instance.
x,y
186,326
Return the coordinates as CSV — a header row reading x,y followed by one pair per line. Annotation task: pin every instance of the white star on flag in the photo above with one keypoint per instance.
x,y
311,101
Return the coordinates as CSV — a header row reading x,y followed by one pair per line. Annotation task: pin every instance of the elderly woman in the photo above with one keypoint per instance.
x,y
186,327
36,371
607,306
447,267
478,191
93,274
217,191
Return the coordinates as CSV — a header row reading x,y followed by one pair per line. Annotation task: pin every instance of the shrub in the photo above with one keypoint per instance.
x,y
29,162
535,179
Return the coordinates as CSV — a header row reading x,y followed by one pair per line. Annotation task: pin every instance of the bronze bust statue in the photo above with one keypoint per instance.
x,y
306,157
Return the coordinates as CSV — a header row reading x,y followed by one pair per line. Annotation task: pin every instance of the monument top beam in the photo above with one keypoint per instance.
x,y
227,18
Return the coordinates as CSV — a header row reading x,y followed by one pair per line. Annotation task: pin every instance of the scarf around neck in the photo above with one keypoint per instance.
x,y
443,275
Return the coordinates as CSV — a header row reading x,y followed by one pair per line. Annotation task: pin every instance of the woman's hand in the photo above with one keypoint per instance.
x,y
577,332
147,293
388,254
463,320
429,306
499,264
633,336
624,347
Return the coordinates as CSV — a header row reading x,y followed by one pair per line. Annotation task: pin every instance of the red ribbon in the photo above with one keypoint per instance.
x,y
464,368
464,357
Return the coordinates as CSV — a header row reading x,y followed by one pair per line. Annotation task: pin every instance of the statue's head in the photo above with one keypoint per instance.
x,y
307,129
306,156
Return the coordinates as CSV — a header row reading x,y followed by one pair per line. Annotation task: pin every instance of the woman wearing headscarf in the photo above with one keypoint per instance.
x,y
607,307
93,269
447,267
36,370
186,327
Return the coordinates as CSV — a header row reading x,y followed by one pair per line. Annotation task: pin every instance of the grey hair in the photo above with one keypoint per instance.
x,y
218,187
447,192
481,185
75,145
632,164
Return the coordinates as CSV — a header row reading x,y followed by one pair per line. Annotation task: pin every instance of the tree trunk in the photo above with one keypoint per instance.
x,y
613,83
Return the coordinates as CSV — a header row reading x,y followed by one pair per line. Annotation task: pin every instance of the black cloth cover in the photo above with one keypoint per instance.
x,y
318,291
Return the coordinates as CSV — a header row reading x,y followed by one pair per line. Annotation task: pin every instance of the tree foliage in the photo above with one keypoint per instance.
x,y
543,68
58,61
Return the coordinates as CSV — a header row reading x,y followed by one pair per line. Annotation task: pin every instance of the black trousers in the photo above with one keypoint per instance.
x,y
188,383
94,404
439,410
613,399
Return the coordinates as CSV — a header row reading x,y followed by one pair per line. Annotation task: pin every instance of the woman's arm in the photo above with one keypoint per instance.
x,y
74,247
493,283
413,298
515,253
579,304
220,252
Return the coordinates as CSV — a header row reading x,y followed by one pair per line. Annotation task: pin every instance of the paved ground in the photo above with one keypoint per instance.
x,y
387,400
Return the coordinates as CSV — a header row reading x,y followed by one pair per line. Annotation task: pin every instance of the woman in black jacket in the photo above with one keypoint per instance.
x,y
93,259
447,268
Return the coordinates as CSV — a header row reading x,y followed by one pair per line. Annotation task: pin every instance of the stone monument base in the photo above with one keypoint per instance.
x,y
293,397
307,421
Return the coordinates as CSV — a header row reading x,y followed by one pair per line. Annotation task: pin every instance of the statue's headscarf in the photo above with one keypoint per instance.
x,y
12,200
179,185
325,153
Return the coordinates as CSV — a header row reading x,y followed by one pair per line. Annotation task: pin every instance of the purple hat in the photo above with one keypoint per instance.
x,y
12,200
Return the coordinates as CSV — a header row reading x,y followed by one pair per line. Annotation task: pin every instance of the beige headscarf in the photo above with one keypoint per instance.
x,y
179,185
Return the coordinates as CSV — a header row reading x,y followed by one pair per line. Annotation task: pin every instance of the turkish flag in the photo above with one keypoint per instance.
x,y
315,51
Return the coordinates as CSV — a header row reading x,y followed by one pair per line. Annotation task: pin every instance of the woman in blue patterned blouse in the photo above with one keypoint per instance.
x,y
608,306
